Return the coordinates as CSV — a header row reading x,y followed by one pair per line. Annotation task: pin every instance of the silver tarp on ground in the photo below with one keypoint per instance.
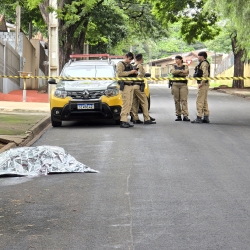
x,y
39,160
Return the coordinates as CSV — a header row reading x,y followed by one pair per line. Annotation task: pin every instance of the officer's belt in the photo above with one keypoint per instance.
x,y
180,81
138,83
132,83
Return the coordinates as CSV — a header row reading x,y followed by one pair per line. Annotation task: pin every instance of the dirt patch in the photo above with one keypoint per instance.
x,y
18,124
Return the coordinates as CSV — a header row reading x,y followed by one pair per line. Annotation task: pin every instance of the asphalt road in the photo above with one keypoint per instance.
x,y
173,185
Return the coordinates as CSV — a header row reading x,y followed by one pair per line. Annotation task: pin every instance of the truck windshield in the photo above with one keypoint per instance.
x,y
89,71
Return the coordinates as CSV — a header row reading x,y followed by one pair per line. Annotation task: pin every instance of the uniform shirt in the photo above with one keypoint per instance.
x,y
141,70
177,72
204,67
120,70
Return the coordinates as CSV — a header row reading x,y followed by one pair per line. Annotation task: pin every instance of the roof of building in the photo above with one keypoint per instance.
x,y
192,55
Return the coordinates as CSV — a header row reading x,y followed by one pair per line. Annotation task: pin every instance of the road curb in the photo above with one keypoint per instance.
x,y
233,93
32,133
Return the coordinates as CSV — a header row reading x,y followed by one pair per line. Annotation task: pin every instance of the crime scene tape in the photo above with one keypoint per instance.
x,y
128,78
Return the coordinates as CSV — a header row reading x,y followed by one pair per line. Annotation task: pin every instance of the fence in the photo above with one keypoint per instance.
x,y
9,65
225,64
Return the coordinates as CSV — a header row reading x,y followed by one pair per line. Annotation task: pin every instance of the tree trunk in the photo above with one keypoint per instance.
x,y
45,14
70,45
238,64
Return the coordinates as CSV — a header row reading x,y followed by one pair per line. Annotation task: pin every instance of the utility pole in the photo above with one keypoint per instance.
x,y
18,26
53,41
86,50
53,44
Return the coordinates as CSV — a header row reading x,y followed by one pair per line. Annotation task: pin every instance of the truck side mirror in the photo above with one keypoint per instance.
x,y
52,81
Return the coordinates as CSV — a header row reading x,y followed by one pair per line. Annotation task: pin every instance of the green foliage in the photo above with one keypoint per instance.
x,y
195,23
157,48
8,8
172,44
169,46
221,43
236,16
32,4
104,24
127,22
200,29
107,30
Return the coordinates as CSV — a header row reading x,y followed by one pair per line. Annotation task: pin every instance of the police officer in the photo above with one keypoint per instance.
x,y
180,89
202,70
125,69
139,95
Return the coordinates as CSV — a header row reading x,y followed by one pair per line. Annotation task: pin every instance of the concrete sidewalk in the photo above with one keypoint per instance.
x,y
6,106
37,118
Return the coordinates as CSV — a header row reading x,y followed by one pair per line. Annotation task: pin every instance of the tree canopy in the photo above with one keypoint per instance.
x,y
235,25
196,24
156,27
101,23
8,8
199,20
220,43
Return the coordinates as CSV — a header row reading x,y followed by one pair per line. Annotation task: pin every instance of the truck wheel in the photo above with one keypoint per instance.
x,y
55,123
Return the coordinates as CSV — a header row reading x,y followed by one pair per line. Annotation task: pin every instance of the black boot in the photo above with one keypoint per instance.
x,y
124,125
137,122
178,118
186,119
151,118
197,120
206,119
149,122
131,119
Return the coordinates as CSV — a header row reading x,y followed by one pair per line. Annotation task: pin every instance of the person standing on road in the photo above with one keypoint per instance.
x,y
180,89
139,95
125,69
202,70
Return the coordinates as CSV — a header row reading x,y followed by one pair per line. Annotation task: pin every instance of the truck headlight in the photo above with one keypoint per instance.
x,y
111,92
60,93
